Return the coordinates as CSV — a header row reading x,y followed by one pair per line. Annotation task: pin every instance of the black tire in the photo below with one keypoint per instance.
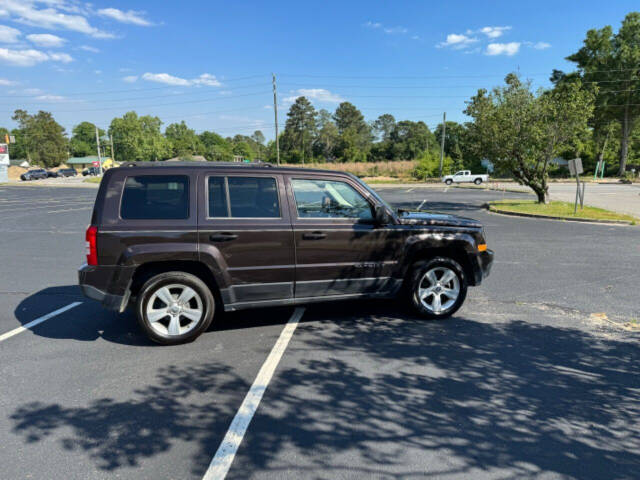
x,y
170,278
417,275
477,181
449,181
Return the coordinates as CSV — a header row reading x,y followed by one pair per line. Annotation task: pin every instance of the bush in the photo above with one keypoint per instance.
x,y
429,166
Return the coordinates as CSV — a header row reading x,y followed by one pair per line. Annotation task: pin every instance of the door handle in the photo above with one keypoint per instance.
x,y
314,236
222,237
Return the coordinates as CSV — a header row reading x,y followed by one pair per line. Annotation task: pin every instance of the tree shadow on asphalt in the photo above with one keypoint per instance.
x,y
513,399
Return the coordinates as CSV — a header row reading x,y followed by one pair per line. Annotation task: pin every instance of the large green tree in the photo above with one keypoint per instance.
x,y
216,148
327,137
299,130
612,62
355,133
410,139
139,138
41,138
184,141
522,131
83,140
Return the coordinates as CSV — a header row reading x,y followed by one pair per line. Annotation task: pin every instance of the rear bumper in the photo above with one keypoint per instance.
x,y
107,284
481,264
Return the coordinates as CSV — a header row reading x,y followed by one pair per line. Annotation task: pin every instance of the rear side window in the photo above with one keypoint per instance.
x,y
155,197
243,197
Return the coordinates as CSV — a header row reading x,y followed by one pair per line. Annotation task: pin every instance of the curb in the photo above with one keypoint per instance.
x,y
493,209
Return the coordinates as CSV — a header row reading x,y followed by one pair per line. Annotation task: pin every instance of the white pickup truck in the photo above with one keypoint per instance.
x,y
464,176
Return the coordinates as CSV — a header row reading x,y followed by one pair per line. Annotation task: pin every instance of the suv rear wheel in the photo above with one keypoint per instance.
x,y
438,287
174,307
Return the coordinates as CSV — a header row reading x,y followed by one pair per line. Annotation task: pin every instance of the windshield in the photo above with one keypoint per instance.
x,y
374,194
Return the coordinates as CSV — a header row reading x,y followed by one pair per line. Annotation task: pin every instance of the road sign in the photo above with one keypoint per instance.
x,y
575,166
4,154
95,163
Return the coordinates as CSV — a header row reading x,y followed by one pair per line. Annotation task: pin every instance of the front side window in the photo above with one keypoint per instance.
x,y
155,197
243,197
329,199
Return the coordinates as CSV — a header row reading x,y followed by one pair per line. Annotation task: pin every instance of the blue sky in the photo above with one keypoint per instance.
x,y
210,62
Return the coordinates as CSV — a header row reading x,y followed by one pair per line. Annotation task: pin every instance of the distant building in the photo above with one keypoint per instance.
x,y
19,162
80,163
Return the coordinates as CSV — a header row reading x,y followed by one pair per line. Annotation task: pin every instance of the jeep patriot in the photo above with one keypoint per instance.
x,y
181,241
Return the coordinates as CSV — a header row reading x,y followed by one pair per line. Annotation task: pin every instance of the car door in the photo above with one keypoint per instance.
x,y
458,177
244,228
339,249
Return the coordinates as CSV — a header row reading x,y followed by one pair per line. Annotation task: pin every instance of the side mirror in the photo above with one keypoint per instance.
x,y
382,216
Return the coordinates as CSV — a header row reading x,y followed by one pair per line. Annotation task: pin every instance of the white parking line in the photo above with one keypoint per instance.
x,y
35,322
223,458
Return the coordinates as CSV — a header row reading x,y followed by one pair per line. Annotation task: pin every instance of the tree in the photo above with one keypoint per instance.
x,y
355,133
139,138
612,62
215,147
453,140
384,125
184,141
410,139
41,138
327,136
523,132
299,130
83,140
258,137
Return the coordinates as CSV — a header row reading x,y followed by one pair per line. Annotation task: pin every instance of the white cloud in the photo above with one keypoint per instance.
x,y
87,48
9,34
398,30
205,79
130,16
46,40
50,98
457,41
98,72
130,78
166,78
60,57
541,45
493,32
30,57
52,16
6,83
508,49
318,94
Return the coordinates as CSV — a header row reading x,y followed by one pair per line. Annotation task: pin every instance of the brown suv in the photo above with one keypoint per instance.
x,y
184,240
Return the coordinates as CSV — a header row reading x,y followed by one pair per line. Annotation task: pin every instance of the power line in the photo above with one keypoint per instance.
x,y
93,92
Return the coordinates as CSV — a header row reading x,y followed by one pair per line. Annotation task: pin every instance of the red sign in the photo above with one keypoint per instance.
x,y
96,163
3,148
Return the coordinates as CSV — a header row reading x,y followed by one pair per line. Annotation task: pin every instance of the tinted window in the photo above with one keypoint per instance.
x,y
329,199
250,197
155,197
217,198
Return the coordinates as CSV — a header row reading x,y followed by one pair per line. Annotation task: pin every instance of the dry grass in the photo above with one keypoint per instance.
x,y
392,170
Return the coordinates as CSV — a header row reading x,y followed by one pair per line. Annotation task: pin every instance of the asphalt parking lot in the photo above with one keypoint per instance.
x,y
537,376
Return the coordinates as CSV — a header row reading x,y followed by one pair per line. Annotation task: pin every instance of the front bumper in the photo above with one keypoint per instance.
x,y
107,284
481,263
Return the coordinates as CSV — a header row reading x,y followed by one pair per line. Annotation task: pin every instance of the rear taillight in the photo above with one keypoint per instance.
x,y
91,245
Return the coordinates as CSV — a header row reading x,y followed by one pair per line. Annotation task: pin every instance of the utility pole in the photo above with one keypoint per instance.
x,y
444,131
113,156
275,111
98,145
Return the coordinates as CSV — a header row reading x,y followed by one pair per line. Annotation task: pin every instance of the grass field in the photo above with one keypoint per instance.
x,y
559,209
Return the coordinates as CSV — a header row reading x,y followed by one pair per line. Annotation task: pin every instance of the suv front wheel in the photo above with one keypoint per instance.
x,y
174,307
438,287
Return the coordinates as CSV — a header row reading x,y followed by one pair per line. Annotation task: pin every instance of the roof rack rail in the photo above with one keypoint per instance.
x,y
164,163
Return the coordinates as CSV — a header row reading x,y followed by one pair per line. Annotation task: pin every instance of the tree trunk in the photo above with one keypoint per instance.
x,y
624,144
541,191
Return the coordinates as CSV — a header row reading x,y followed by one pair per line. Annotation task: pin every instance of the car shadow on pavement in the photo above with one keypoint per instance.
x,y
90,322
362,391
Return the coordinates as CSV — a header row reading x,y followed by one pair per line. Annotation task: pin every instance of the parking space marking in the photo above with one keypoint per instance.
x,y
222,460
35,322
